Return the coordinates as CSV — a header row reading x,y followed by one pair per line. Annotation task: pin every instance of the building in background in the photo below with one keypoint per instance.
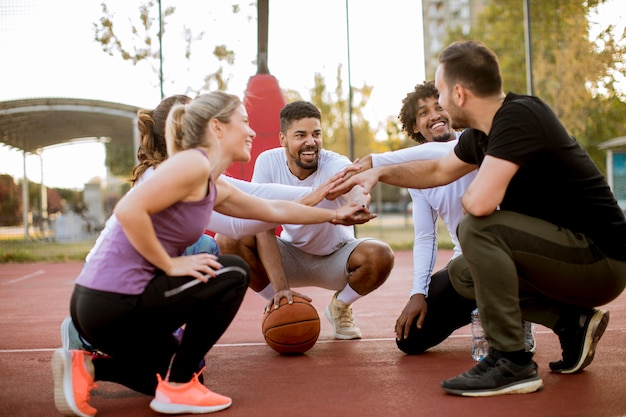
x,y
439,17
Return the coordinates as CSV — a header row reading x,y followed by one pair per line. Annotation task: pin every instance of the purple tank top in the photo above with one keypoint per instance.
x,y
116,266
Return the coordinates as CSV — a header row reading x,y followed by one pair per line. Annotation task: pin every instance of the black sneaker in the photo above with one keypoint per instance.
x,y
579,341
495,377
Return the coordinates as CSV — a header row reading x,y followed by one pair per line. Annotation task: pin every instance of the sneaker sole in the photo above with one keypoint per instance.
x,y
169,408
523,387
597,325
339,335
63,391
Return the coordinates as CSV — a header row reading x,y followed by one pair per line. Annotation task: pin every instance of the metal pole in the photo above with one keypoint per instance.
x,y
44,199
351,138
262,34
161,51
351,135
529,49
25,202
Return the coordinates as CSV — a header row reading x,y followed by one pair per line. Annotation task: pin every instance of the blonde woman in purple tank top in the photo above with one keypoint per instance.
x,y
137,289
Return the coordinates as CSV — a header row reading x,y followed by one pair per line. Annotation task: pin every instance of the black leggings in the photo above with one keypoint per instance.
x,y
447,311
136,331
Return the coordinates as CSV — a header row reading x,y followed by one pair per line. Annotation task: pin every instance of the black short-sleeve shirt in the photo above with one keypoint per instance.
x,y
557,180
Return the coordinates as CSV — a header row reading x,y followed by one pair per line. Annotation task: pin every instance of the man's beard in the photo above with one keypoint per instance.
x,y
312,165
304,165
443,138
459,121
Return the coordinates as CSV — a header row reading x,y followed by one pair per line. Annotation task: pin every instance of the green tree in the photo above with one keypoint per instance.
x,y
144,45
10,201
335,108
395,137
572,73
120,159
140,43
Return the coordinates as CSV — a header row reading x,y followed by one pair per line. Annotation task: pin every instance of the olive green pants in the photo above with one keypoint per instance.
x,y
518,268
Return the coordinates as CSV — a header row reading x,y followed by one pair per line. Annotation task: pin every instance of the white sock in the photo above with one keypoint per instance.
x,y
348,295
267,293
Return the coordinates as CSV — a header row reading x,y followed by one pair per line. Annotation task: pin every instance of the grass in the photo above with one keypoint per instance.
x,y
396,230
22,251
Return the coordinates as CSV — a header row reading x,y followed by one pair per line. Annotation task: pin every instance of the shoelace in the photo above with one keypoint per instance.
x,y
345,317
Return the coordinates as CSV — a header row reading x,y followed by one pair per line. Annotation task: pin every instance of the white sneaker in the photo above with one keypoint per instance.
x,y
340,316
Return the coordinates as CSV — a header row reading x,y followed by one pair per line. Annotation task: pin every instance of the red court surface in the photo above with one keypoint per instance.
x,y
365,378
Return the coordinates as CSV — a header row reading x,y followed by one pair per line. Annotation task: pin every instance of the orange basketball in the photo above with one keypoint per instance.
x,y
291,328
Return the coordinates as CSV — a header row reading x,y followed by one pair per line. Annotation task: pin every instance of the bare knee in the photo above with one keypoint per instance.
x,y
370,265
246,248
232,246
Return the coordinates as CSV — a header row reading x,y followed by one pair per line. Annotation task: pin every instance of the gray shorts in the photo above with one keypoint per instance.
x,y
305,270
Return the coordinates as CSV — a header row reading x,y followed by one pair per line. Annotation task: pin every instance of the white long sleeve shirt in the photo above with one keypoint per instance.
x,y
428,205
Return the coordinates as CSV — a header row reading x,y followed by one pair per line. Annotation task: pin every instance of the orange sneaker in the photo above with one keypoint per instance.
x,y
72,382
192,397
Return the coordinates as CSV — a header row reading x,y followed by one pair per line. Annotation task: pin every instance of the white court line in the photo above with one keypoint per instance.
x,y
24,277
218,345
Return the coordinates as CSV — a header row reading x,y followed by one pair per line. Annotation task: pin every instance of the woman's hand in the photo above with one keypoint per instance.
x,y
318,194
352,213
201,266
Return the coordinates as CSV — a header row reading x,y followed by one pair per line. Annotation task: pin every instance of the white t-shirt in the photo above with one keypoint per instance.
x,y
428,205
317,239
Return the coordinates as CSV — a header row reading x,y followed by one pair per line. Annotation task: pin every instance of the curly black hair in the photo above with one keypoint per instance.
x,y
409,107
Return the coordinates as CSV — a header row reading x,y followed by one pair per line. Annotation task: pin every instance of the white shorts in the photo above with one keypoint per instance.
x,y
305,270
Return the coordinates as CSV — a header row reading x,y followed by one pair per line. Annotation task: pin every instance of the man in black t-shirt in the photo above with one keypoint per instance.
x,y
554,250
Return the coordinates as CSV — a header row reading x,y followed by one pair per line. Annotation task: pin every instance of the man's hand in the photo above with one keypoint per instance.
x,y
366,179
318,194
288,294
416,306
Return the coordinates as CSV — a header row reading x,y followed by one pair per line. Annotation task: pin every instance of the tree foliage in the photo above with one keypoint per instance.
x,y
396,138
136,39
572,73
120,159
335,109
142,43
10,201
11,204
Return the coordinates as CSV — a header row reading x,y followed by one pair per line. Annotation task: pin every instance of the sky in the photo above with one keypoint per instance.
x,y
52,53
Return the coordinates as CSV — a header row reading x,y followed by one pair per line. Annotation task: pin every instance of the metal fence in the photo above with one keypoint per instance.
x,y
64,238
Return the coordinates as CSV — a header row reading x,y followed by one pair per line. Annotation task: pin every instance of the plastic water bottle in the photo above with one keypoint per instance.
x,y
480,345
530,343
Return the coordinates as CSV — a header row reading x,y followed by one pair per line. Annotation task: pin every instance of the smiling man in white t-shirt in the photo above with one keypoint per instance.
x,y
324,255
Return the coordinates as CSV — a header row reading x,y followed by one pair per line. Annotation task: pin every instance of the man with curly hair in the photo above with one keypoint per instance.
x,y
434,309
